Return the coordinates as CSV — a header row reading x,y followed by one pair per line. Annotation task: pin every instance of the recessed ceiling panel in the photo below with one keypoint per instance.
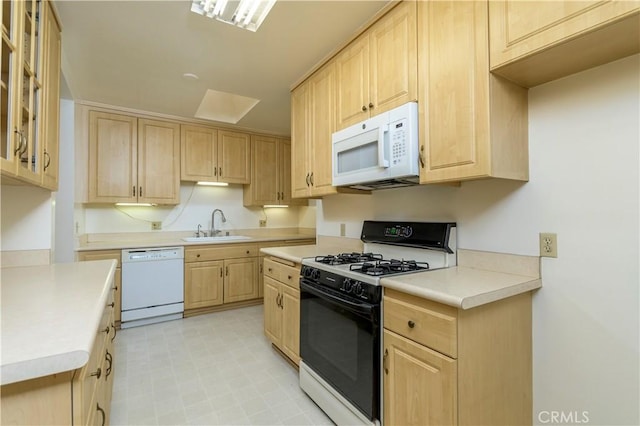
x,y
224,107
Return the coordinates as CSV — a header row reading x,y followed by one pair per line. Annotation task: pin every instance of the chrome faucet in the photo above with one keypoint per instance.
x,y
198,232
215,231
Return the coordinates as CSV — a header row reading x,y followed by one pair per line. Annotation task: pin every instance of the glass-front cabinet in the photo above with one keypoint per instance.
x,y
25,87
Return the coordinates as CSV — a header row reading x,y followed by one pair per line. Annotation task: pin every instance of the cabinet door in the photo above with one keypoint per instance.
x,y
522,28
198,154
419,384
393,71
285,173
203,284
11,140
454,99
234,161
51,102
265,170
290,301
158,162
240,279
272,311
352,69
322,86
113,173
300,142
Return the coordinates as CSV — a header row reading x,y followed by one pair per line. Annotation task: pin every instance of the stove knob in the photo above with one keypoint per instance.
x,y
358,289
347,285
306,271
315,274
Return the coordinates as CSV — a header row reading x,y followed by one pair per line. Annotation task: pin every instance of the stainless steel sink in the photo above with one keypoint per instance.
x,y
220,239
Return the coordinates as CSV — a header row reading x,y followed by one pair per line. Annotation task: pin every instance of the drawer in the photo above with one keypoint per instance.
x,y
100,255
220,252
282,270
426,322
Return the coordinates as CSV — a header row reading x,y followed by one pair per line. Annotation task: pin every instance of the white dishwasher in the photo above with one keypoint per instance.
x,y
152,285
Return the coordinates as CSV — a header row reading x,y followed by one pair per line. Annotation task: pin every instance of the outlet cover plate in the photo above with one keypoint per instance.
x,y
548,244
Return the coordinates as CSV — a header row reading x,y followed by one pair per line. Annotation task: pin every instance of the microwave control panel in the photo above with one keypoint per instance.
x,y
398,131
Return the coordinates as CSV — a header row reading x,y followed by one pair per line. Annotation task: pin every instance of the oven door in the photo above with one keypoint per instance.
x,y
339,340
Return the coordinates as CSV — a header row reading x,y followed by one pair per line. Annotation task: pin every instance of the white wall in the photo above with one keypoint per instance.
x,y
197,203
584,133
63,240
26,218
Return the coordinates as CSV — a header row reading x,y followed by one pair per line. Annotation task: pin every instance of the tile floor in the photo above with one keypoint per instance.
x,y
214,369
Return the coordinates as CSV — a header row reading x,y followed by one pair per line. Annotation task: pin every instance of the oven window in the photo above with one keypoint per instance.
x,y
335,339
343,348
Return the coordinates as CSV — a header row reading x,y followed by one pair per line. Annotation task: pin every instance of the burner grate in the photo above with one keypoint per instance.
x,y
388,267
348,258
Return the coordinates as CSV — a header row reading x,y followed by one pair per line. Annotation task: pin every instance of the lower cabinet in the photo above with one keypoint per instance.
x,y
448,366
117,281
80,397
220,274
282,305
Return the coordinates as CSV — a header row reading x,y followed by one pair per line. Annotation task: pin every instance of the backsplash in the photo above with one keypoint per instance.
x,y
197,203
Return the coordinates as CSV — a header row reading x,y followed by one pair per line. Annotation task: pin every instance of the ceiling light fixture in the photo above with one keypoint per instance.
x,y
204,183
247,14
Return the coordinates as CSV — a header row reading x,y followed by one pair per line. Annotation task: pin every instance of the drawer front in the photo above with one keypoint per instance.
x,y
220,252
100,255
423,321
287,273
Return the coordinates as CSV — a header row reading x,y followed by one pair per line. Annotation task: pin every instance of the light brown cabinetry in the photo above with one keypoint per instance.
x,y
443,365
282,305
313,121
282,243
270,173
29,99
133,160
532,42
212,155
117,279
472,124
77,397
377,71
220,274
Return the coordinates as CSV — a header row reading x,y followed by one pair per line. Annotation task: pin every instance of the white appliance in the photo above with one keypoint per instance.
x,y
378,153
152,285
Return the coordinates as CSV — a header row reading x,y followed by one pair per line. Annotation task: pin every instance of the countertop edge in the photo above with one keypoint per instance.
x,y
120,245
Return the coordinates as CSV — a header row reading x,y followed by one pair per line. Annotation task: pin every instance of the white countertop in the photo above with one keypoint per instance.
x,y
462,287
172,239
297,253
50,315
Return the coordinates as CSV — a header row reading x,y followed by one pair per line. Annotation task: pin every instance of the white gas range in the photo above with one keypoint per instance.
x,y
340,312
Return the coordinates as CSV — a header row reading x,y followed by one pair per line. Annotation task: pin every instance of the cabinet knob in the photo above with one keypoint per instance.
x,y
370,105
197,255
247,251
411,324
364,107
106,330
97,374
288,277
270,270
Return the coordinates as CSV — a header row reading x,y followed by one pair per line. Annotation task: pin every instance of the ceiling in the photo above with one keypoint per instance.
x,y
134,54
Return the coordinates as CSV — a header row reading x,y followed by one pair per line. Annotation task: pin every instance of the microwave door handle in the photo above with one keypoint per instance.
x,y
382,160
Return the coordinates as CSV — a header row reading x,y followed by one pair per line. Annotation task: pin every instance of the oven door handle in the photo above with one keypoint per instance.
x,y
361,308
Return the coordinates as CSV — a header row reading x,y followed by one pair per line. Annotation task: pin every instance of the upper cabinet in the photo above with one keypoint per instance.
x,y
270,172
214,155
312,124
133,160
377,71
29,102
535,42
472,124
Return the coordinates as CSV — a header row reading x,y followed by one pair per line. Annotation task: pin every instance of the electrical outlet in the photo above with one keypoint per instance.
x,y
263,223
548,245
343,228
156,226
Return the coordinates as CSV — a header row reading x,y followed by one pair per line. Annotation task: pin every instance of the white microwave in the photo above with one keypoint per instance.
x,y
378,153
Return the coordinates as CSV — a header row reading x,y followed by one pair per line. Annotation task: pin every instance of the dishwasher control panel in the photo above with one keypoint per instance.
x,y
152,254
